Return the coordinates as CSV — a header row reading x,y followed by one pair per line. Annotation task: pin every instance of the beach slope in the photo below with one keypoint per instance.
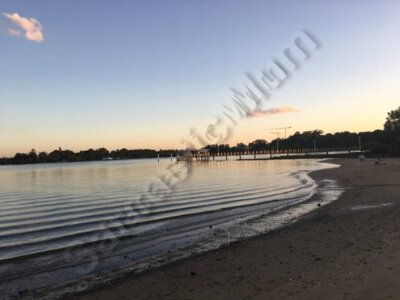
x,y
346,250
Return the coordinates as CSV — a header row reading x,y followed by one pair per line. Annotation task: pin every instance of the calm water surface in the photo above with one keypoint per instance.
x,y
56,206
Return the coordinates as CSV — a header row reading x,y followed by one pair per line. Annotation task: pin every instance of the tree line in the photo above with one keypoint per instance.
x,y
377,142
385,141
60,155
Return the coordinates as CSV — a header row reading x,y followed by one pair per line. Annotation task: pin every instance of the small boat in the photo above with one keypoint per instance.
x,y
107,158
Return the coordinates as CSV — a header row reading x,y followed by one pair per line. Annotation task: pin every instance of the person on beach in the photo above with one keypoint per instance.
x,y
362,157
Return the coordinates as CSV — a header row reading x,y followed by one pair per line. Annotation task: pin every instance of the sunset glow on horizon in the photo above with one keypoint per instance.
x,y
136,75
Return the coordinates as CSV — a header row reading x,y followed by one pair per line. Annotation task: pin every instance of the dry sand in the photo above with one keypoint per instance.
x,y
349,249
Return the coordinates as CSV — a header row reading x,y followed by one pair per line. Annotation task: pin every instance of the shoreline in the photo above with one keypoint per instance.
x,y
219,235
175,242
337,251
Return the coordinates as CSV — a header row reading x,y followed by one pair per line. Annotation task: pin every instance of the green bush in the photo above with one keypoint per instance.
x,y
378,148
395,148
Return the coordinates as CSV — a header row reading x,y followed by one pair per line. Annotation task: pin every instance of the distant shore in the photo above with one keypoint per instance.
x,y
346,250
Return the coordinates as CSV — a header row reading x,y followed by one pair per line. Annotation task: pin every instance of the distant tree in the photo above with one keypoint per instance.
x,y
21,158
123,153
393,121
4,161
163,152
102,153
224,148
314,133
32,157
258,145
68,155
42,157
240,147
212,148
395,148
54,156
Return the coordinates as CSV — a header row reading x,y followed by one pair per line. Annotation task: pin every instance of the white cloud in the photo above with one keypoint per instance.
x,y
271,111
33,29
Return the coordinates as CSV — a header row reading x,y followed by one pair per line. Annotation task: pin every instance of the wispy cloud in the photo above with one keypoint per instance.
x,y
14,32
32,27
271,111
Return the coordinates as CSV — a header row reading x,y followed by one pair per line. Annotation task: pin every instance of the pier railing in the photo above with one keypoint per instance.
x,y
271,153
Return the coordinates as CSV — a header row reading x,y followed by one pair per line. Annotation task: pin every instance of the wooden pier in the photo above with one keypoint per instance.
x,y
282,153
204,155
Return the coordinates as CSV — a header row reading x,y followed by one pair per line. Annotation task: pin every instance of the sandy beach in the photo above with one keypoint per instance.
x,y
346,250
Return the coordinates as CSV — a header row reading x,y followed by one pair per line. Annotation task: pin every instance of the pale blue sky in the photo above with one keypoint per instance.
x,y
138,74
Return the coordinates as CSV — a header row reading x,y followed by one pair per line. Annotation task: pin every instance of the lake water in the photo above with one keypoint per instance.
x,y
71,220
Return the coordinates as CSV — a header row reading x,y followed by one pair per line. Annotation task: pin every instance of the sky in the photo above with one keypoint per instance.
x,y
140,74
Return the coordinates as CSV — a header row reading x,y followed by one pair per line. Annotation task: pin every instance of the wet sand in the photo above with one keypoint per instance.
x,y
349,249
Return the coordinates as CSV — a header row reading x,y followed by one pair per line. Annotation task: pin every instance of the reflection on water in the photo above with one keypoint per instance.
x,y
55,206
49,206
